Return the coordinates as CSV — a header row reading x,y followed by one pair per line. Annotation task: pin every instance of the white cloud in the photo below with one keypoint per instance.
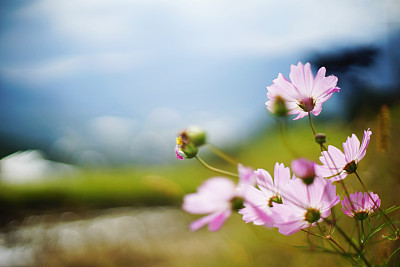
x,y
220,25
115,36
69,66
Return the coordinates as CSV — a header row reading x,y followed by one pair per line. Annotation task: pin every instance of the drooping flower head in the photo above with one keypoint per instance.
x,y
303,93
304,169
194,134
188,142
217,197
304,205
337,164
360,205
259,201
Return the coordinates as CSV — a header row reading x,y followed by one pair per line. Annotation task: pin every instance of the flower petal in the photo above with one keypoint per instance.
x,y
194,226
302,78
264,181
217,222
213,195
364,145
259,215
281,176
333,162
351,147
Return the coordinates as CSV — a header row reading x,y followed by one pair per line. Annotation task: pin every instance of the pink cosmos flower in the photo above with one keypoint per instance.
x,y
217,197
303,93
361,204
337,164
259,201
304,205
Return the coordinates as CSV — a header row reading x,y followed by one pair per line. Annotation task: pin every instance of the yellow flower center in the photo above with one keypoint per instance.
x,y
179,141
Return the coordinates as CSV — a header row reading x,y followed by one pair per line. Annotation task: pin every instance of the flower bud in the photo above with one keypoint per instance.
x,y
320,138
280,108
196,135
189,149
304,169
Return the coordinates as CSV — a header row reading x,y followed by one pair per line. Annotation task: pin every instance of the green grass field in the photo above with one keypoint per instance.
x,y
157,185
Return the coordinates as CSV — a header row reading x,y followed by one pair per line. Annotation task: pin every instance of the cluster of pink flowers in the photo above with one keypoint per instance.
x,y
288,202
285,202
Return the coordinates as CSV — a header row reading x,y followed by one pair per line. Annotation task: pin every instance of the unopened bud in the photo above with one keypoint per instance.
x,y
320,138
280,108
190,150
304,169
196,135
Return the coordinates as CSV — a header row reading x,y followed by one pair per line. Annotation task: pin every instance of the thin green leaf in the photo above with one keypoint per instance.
x,y
375,231
355,241
391,255
391,209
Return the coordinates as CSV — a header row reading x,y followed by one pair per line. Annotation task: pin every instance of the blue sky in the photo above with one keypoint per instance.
x,y
117,79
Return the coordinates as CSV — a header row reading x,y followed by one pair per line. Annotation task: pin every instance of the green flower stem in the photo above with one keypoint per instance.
x,y
323,148
387,218
311,233
315,132
311,124
362,233
222,155
215,169
329,238
342,183
341,248
387,261
331,227
358,250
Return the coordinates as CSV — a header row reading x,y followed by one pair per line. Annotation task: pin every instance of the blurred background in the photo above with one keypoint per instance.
x,y
93,94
